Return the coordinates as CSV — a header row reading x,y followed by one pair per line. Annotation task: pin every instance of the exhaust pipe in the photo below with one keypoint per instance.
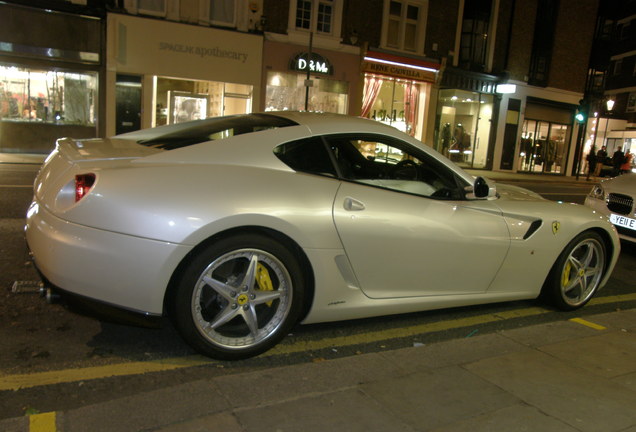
x,y
49,295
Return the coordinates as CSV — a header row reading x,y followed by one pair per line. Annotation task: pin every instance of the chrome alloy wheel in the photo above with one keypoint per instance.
x,y
241,299
582,272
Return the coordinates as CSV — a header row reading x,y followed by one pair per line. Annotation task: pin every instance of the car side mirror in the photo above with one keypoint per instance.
x,y
480,189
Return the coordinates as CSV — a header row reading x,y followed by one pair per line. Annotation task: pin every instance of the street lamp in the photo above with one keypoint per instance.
x,y
610,105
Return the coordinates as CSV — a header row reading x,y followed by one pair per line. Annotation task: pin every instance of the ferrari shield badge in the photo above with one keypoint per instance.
x,y
556,226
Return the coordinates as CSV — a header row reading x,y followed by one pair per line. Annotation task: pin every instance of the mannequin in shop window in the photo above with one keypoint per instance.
x,y
446,139
458,143
525,151
465,143
549,154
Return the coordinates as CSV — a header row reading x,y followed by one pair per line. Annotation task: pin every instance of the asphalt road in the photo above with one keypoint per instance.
x,y
54,358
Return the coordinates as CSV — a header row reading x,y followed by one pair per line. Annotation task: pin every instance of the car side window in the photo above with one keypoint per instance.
x,y
389,164
307,155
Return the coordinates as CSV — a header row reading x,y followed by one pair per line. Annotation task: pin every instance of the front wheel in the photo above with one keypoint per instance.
x,y
239,297
577,273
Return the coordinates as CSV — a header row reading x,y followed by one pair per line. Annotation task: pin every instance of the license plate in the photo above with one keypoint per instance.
x,y
623,221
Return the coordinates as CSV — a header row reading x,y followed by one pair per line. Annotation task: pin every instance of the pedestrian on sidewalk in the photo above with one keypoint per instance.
x,y
591,162
618,158
601,155
627,164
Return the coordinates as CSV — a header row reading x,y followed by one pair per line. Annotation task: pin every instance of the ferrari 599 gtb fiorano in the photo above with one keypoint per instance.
x,y
240,227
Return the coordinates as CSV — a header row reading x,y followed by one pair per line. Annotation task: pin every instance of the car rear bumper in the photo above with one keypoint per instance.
x,y
121,270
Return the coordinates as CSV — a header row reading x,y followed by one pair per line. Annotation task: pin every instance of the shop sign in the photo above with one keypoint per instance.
x,y
398,71
316,64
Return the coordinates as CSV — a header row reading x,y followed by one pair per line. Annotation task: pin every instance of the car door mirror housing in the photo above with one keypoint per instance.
x,y
481,189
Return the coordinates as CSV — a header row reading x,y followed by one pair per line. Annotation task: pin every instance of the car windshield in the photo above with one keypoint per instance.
x,y
214,129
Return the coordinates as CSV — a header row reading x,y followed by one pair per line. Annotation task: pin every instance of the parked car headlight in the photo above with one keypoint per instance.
x,y
597,192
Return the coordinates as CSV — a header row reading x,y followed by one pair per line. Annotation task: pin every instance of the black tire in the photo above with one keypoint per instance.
x,y
224,312
577,273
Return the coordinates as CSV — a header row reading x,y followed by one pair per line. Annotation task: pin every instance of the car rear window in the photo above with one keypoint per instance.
x,y
199,131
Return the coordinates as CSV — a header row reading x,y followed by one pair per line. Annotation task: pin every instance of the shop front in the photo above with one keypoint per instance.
x,y
49,78
299,79
466,110
545,136
163,72
397,90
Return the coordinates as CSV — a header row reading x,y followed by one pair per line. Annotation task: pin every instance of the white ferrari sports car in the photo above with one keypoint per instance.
x,y
240,227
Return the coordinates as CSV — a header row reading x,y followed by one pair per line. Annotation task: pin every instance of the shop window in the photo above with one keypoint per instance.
x,y
403,27
287,91
542,147
180,100
395,102
463,131
37,95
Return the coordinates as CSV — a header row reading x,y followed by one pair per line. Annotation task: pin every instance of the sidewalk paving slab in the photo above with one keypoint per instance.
x,y
562,389
516,418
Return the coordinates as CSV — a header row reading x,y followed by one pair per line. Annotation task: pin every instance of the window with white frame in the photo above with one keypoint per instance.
x,y
404,25
223,12
152,7
319,16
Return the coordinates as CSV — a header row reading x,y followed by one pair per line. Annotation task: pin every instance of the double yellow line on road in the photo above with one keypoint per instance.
x,y
22,381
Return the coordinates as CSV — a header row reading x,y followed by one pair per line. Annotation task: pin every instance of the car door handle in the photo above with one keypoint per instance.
x,y
351,204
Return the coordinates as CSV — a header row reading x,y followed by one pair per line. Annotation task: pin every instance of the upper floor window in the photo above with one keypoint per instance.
x,y
404,25
152,7
316,15
618,67
474,40
625,30
223,13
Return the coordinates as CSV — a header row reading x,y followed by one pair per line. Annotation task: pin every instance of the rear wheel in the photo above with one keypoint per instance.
x,y
577,273
239,297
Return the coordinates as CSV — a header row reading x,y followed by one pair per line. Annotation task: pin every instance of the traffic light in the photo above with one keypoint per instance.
x,y
579,117
581,111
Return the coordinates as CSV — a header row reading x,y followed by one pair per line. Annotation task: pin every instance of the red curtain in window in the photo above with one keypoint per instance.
x,y
411,98
371,89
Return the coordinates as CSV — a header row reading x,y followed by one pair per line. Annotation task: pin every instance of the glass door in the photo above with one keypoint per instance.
x,y
542,147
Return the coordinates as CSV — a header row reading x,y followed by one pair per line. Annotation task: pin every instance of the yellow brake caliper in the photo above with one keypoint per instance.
x,y
263,280
565,280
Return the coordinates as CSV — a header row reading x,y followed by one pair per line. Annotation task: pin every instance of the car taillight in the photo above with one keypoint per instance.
x,y
83,185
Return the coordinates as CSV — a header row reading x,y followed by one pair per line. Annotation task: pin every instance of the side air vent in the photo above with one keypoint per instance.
x,y
534,226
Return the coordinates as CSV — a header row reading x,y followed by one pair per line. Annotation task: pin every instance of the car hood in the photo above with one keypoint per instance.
x,y
625,183
508,192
